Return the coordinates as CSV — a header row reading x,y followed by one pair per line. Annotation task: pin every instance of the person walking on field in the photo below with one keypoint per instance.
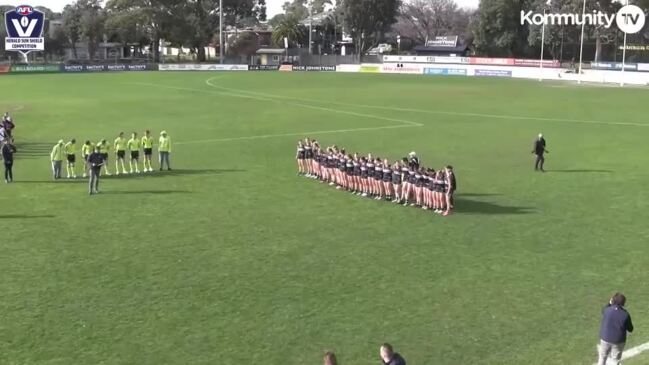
x,y
8,151
164,149
56,156
616,322
539,150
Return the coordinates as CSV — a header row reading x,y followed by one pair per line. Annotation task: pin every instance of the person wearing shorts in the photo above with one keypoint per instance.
x,y
133,145
147,146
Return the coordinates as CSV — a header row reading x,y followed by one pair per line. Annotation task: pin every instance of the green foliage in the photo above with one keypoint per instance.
x,y
290,28
368,20
497,29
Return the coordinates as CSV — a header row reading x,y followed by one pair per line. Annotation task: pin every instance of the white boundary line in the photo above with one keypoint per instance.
x,y
404,123
296,134
634,351
423,111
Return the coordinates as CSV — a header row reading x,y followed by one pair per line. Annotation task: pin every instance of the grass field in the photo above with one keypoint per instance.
x,y
233,259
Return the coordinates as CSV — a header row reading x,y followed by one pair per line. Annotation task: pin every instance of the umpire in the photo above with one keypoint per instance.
x,y
539,150
8,151
95,161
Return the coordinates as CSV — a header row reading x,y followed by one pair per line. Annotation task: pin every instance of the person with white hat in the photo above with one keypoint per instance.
x,y
539,150
56,156
164,149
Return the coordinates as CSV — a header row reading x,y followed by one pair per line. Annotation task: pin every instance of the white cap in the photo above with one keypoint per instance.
x,y
163,132
60,141
412,153
540,135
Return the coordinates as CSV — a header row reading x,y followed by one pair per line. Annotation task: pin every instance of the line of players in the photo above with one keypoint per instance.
x,y
120,146
403,182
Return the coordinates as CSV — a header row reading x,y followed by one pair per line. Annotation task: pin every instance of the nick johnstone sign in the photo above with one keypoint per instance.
x,y
630,19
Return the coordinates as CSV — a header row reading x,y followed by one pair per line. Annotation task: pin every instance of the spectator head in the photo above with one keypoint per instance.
x,y
618,299
146,132
73,140
330,358
386,352
121,134
87,142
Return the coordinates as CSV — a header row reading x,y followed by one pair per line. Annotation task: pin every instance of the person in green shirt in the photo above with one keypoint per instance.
x,y
134,146
70,153
147,146
86,150
164,149
120,151
104,148
56,156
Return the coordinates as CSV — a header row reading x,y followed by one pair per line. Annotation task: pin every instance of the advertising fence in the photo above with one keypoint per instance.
x,y
201,67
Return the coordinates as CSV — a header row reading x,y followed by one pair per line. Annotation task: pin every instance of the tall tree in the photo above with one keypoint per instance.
x,y
368,20
92,24
423,19
497,28
290,28
72,26
155,16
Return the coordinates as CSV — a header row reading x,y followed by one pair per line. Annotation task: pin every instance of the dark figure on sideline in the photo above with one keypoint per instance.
x,y
616,322
389,357
8,150
539,150
95,162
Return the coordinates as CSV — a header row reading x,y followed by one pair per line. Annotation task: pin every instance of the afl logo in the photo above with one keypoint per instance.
x,y
24,22
24,10
24,30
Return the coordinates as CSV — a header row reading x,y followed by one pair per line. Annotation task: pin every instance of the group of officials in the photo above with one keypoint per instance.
x,y
95,156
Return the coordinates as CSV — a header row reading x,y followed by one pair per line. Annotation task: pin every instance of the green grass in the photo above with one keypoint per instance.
x,y
232,259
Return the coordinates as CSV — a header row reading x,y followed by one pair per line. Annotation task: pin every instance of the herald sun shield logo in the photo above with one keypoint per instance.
x,y
24,30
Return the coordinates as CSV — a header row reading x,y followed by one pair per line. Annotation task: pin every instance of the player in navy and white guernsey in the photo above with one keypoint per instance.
x,y
405,181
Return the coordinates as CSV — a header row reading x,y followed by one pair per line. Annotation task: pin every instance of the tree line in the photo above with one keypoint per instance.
x,y
493,29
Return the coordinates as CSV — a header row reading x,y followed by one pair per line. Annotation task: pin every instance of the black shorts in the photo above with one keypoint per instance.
x,y
135,155
396,181
104,156
71,158
363,174
121,154
300,156
148,151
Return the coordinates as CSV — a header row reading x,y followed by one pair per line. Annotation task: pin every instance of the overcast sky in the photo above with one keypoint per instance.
x,y
274,6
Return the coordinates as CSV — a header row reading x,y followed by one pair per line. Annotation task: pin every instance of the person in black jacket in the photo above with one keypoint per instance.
x,y
539,150
95,161
389,357
8,150
616,322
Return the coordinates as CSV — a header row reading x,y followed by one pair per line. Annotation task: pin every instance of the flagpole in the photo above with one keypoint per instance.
x,y
623,55
581,47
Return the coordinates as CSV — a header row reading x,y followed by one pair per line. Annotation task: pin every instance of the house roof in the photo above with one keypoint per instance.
x,y
271,51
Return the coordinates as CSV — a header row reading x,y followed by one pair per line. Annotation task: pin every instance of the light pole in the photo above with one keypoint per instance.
x,y
221,31
623,55
310,26
581,47
542,45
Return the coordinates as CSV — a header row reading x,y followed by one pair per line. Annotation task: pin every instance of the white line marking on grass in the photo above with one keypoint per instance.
x,y
634,351
363,115
437,112
297,134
